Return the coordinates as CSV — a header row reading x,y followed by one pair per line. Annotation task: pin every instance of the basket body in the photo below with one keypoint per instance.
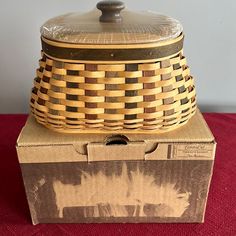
x,y
72,96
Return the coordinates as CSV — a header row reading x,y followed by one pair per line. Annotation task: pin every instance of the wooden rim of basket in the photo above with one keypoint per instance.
x,y
113,46
112,53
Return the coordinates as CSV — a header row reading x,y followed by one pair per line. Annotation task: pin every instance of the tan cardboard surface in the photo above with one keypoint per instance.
x,y
99,151
117,191
34,134
150,178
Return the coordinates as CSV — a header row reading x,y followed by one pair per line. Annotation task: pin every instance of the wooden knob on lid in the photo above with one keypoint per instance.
x,y
111,11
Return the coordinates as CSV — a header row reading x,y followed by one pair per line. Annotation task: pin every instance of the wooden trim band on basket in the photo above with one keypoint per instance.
x,y
111,62
117,53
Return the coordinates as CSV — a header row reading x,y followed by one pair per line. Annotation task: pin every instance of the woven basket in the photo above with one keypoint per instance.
x,y
142,87
72,96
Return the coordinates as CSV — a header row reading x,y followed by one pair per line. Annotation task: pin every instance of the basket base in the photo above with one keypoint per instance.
x,y
123,131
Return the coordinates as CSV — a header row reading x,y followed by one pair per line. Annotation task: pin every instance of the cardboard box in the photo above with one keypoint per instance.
x,y
116,178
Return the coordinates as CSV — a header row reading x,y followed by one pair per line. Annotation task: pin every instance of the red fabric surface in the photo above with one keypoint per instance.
x,y
221,209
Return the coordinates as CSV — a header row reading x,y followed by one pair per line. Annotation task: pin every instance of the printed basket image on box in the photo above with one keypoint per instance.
x,y
114,70
133,178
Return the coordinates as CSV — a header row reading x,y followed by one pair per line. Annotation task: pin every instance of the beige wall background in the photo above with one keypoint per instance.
x,y
210,46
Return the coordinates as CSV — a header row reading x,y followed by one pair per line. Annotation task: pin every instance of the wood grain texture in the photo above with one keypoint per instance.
x,y
116,53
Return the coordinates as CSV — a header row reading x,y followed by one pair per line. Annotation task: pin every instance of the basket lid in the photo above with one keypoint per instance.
x,y
110,23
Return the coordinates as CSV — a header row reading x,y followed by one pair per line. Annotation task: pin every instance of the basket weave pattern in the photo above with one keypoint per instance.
x,y
69,97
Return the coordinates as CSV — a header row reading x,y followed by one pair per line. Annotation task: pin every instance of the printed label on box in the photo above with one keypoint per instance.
x,y
189,151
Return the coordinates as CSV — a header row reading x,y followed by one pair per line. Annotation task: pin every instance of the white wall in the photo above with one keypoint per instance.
x,y
210,46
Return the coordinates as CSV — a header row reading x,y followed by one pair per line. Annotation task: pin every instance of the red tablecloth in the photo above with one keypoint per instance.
x,y
221,209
